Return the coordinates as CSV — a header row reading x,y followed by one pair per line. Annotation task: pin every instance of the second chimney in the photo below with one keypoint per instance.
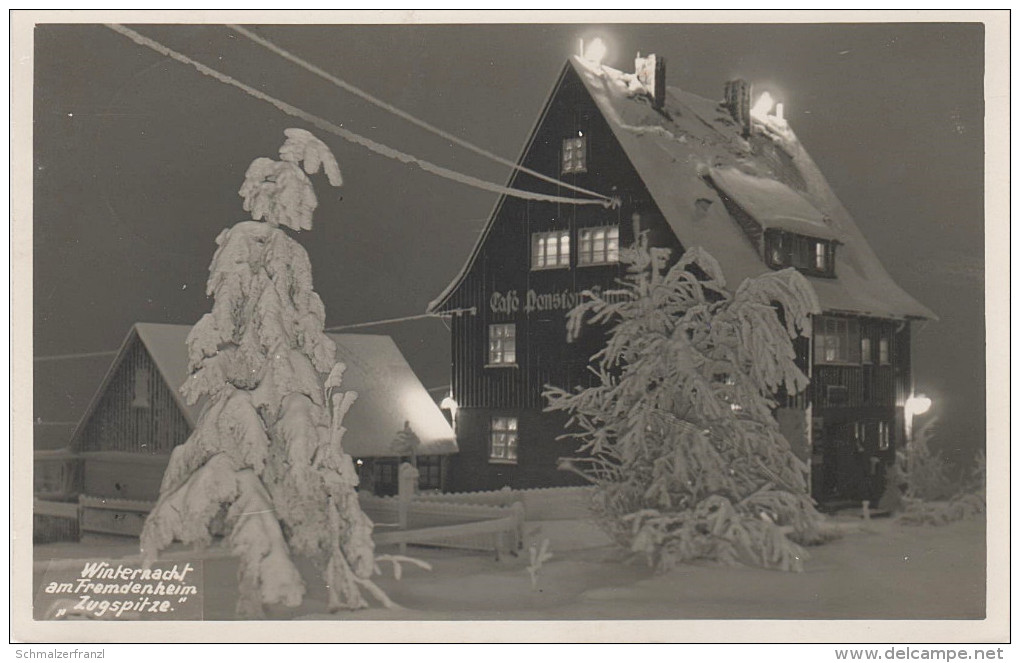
x,y
738,103
651,73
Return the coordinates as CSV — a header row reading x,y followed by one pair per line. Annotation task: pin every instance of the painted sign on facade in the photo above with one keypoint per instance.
x,y
510,302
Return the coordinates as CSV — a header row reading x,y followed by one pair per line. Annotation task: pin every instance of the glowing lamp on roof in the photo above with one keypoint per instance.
x,y
595,51
762,107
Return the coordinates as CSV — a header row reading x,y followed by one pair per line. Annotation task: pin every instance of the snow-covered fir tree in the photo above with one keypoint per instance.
x,y
265,466
678,432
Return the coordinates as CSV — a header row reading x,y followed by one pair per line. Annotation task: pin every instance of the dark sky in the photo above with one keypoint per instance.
x,y
138,160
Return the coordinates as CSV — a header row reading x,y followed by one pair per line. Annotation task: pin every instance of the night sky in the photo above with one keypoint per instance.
x,y
138,160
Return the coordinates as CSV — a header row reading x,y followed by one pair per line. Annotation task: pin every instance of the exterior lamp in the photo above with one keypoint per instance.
x,y
449,405
595,51
762,107
916,404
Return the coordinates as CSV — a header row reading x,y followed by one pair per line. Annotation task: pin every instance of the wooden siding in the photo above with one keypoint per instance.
x,y
868,385
497,286
118,424
502,266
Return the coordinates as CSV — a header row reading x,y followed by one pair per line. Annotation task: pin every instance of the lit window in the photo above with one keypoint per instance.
x,y
807,254
550,249
865,350
883,435
503,440
574,155
502,345
599,246
883,351
837,341
821,260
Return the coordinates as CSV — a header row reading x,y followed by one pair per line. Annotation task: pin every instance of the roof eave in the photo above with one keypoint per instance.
x,y
439,302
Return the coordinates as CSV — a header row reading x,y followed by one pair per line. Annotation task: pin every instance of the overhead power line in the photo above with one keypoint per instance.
x,y
76,355
344,85
406,318
346,134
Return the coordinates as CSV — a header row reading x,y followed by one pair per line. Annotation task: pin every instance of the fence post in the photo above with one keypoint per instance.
x,y
407,484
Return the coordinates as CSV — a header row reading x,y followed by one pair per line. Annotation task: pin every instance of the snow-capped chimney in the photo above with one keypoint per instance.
x,y
651,73
738,103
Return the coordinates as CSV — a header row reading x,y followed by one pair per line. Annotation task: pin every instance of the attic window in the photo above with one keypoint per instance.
x,y
575,153
141,388
809,255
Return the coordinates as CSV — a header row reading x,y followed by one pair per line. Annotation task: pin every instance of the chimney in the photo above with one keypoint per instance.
x,y
738,103
651,73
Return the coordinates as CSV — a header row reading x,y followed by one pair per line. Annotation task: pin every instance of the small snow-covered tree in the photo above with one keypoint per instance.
x,y
265,464
678,432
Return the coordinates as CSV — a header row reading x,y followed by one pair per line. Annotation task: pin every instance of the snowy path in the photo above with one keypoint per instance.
x,y
888,572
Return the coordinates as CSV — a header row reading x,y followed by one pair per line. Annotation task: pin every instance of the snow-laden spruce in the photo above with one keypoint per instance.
x,y
265,466
677,432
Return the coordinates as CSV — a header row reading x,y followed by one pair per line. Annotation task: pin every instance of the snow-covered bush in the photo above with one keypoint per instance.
x,y
678,434
265,466
930,496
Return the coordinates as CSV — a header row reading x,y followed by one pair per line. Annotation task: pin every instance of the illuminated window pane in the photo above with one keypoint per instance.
x,y
821,264
550,249
865,350
599,246
574,150
503,439
838,341
502,345
883,351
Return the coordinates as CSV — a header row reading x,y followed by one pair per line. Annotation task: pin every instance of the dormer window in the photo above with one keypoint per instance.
x,y
808,255
575,155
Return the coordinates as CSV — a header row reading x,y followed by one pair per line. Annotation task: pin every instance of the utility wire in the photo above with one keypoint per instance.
x,y
356,325
406,318
347,135
344,85
77,355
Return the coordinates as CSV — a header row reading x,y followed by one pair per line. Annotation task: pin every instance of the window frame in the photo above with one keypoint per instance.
x,y
802,252
586,243
572,163
500,361
884,351
848,340
562,254
884,436
509,446
867,354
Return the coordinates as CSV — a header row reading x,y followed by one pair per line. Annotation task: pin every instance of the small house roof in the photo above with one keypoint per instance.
x,y
389,392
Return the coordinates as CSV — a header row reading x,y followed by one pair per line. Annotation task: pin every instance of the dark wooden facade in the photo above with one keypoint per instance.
x,y
840,422
137,413
502,288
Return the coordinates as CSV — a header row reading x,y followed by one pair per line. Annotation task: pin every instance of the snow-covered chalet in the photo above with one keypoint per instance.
x,y
108,477
688,171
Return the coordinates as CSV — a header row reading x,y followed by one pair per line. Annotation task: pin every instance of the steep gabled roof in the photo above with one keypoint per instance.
x,y
389,392
689,150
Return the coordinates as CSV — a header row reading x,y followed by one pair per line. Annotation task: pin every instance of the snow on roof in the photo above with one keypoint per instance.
x,y
389,392
694,135
674,148
772,203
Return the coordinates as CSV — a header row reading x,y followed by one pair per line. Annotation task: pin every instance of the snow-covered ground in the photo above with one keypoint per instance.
x,y
881,571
